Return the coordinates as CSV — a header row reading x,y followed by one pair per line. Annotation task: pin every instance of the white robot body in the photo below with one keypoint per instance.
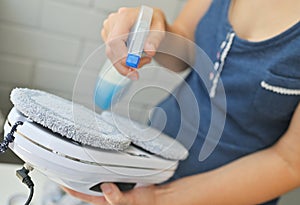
x,y
84,168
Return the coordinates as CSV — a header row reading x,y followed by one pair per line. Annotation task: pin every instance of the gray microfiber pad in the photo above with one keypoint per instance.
x,y
107,131
148,138
57,114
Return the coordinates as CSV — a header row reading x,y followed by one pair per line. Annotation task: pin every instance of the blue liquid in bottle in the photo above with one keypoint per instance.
x,y
104,93
108,86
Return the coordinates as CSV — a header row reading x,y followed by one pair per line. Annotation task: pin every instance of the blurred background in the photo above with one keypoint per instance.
x,y
43,44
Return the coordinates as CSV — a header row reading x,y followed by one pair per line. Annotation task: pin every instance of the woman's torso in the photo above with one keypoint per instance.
x,y
262,87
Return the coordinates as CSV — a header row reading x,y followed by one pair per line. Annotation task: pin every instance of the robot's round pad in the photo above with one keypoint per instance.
x,y
58,115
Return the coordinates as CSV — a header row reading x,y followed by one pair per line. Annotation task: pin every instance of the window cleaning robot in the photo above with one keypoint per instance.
x,y
80,149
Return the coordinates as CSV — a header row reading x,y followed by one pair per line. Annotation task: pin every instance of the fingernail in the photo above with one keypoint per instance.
x,y
106,188
150,47
132,76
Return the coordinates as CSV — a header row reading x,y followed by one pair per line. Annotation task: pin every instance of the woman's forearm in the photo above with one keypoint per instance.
x,y
250,180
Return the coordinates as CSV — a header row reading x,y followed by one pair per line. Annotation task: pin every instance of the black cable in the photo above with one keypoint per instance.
x,y
9,138
30,196
22,174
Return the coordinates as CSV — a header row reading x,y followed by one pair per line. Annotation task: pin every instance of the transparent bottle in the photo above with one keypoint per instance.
x,y
110,81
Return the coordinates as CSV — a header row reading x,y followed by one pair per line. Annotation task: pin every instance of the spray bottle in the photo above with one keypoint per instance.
x,y
110,81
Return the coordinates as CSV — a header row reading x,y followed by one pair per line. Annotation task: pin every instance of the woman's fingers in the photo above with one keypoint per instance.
x,y
131,72
96,200
157,32
114,196
115,33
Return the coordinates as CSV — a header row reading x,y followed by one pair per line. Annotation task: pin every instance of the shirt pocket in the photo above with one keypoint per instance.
x,y
277,96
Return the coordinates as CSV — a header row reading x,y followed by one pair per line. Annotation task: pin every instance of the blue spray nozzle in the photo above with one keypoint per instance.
x,y
133,60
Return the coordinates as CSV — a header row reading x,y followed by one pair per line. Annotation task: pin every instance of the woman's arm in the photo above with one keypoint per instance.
x,y
184,26
252,179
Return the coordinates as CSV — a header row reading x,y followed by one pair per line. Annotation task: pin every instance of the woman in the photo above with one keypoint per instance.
x,y
257,158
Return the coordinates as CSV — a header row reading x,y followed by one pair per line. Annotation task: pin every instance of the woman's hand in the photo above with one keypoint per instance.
x,y
113,196
115,33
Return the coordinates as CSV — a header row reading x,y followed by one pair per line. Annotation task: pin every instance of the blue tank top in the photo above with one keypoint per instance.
x,y
262,87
